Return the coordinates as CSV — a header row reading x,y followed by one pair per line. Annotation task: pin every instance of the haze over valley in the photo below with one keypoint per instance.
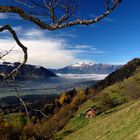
x,y
34,79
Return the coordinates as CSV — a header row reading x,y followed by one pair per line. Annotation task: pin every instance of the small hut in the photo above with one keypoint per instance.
x,y
91,113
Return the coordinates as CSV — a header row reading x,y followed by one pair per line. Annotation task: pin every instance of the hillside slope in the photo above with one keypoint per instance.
x,y
123,124
119,75
122,121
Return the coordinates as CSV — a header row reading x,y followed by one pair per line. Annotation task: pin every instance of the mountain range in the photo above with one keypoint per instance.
x,y
87,68
27,72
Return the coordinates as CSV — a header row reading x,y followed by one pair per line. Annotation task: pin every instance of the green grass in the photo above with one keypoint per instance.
x,y
122,124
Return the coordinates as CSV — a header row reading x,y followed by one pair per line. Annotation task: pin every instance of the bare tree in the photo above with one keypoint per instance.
x,y
50,10
58,14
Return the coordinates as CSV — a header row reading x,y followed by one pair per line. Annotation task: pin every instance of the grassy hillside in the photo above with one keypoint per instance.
x,y
122,124
122,121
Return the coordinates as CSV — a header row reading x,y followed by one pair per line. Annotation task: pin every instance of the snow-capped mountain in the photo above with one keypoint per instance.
x,y
82,64
87,68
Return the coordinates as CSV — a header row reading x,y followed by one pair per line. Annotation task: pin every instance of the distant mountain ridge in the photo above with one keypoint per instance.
x,y
88,68
27,72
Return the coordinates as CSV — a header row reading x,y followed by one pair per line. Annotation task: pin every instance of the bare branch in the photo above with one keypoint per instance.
x,y
6,53
18,95
14,72
62,21
39,110
107,4
24,49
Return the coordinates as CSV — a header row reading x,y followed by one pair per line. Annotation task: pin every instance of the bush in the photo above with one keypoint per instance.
x,y
104,102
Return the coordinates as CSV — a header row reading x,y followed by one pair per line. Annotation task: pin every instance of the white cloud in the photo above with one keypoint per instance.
x,y
82,46
9,15
3,16
87,49
66,34
45,50
109,19
49,53
32,33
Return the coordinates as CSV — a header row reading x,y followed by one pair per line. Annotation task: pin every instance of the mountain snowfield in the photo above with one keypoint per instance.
x,y
88,64
82,64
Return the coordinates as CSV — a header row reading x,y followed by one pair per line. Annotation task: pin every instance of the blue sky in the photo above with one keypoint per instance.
x,y
115,40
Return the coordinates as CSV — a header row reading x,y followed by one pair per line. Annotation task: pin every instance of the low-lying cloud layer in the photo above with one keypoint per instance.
x,y
84,76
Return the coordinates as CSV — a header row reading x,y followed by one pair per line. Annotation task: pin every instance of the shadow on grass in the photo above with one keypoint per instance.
x,y
64,134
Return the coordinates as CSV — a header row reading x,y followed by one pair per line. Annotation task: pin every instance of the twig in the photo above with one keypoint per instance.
x,y
18,95
39,110
6,53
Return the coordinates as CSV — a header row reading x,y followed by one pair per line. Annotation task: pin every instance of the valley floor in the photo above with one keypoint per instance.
x,y
122,123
